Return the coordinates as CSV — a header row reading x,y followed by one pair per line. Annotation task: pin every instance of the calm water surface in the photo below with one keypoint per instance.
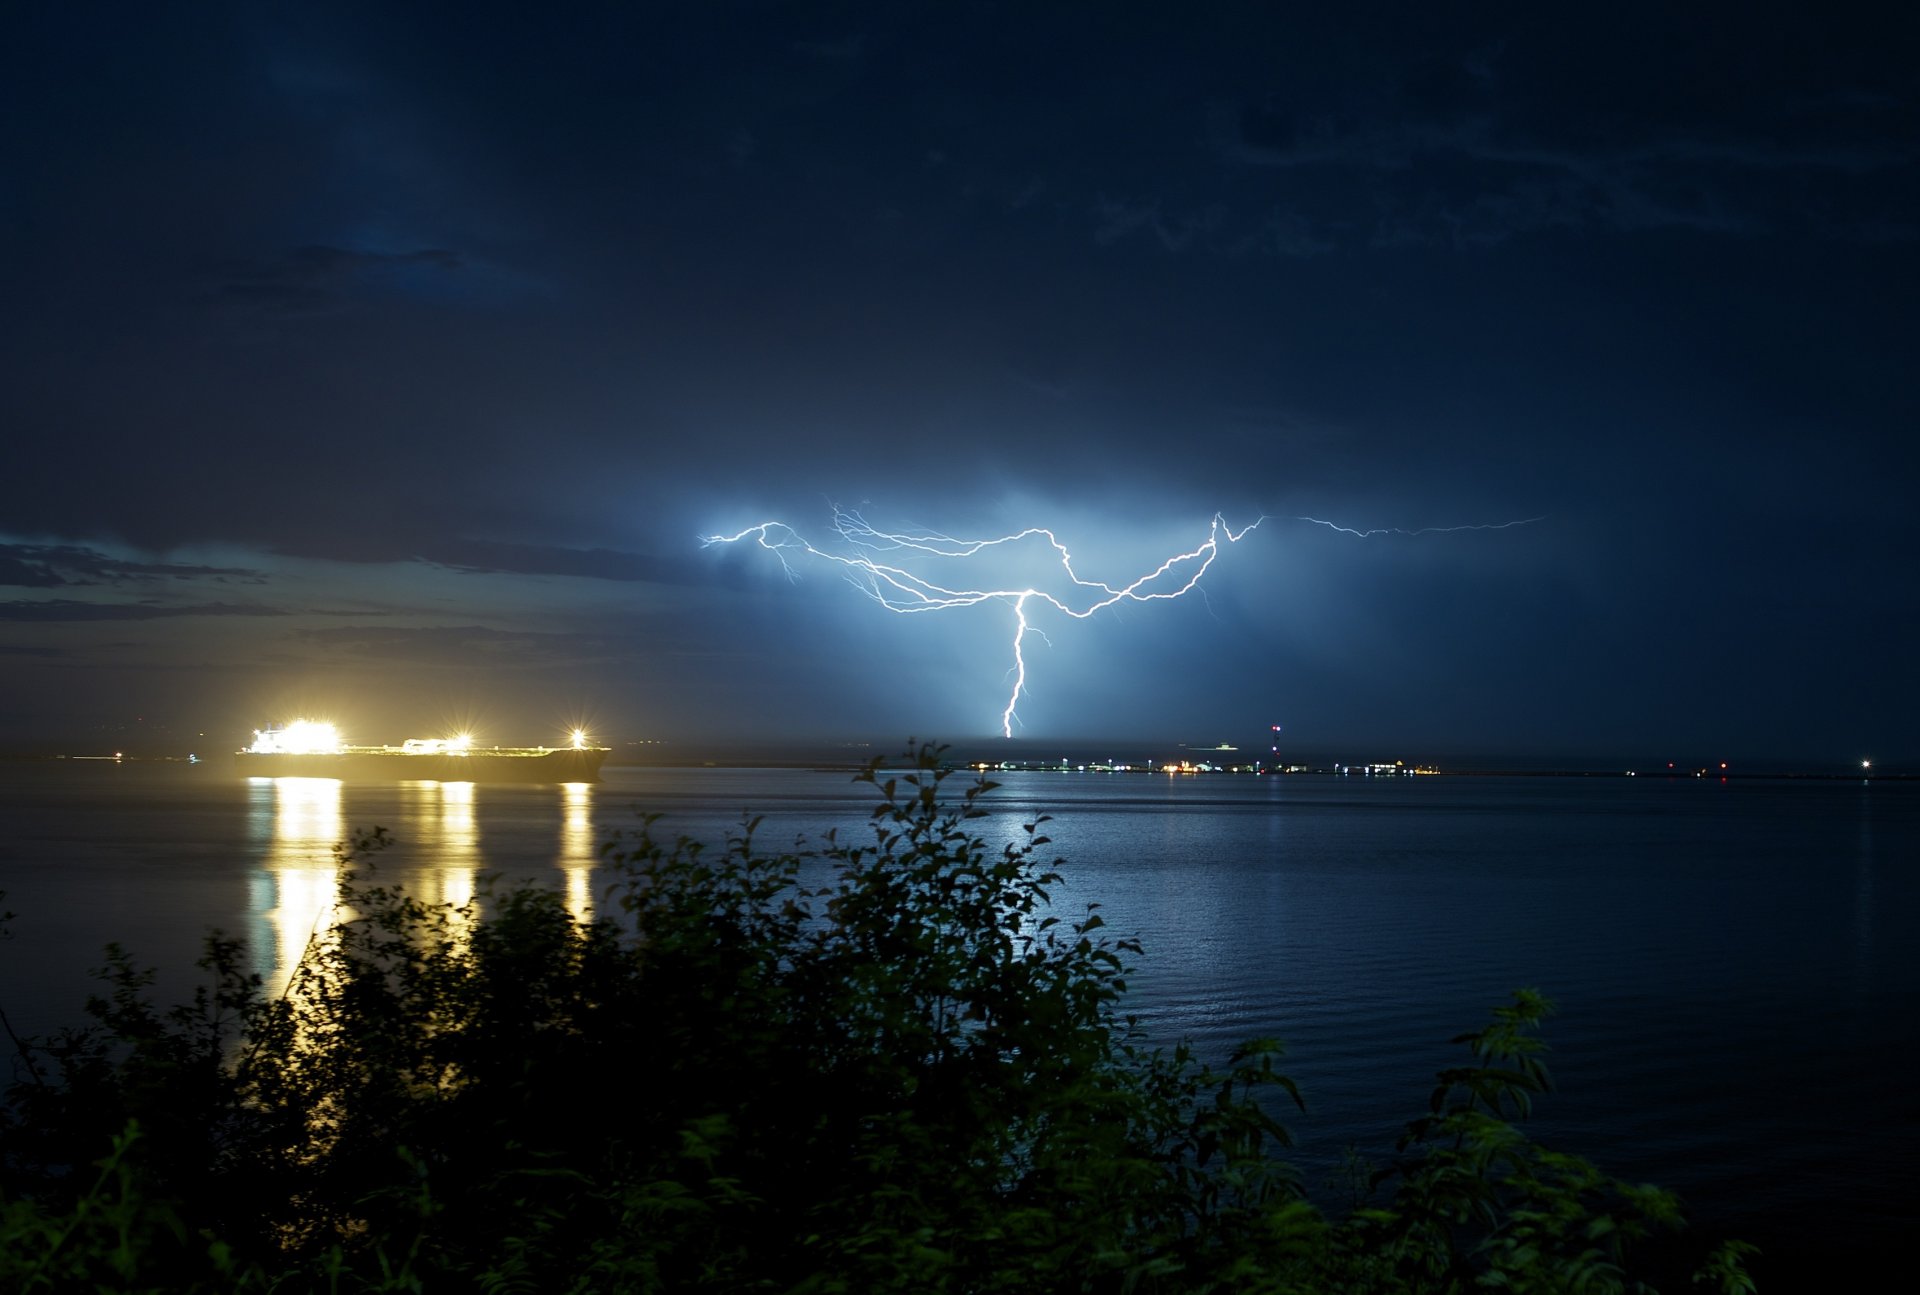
x,y
1735,963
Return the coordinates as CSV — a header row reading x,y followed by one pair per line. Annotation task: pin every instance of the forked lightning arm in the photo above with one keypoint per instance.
x,y
1424,530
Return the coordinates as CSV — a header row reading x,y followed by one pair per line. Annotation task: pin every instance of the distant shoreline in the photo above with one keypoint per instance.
x,y
1182,767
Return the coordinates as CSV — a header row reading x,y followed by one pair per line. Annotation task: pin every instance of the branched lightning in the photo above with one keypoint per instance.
x,y
1424,530
873,561
871,565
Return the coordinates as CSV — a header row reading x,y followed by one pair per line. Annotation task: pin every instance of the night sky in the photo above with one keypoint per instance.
x,y
387,362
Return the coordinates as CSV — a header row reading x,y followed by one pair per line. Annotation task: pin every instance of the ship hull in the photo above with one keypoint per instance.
x,y
562,765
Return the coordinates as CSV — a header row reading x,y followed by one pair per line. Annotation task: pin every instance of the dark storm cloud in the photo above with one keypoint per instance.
x,y
51,566
1483,144
68,609
1478,182
464,645
370,546
319,279
514,294
480,557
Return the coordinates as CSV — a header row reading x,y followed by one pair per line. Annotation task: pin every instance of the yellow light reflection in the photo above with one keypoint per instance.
x,y
443,817
459,834
456,888
302,871
577,846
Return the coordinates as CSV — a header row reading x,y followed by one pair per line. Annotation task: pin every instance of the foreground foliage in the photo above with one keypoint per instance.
x,y
890,1066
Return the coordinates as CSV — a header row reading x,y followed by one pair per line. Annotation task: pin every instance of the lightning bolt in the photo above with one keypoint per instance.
x,y
872,559
1424,530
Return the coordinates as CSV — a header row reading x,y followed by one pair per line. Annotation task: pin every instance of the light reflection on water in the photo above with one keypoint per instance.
x,y
300,824
441,817
299,827
1736,962
579,846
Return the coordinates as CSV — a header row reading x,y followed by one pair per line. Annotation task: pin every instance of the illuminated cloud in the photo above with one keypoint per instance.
x,y
1026,573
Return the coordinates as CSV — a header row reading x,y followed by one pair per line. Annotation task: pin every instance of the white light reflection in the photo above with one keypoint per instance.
x,y
301,870
577,847
449,844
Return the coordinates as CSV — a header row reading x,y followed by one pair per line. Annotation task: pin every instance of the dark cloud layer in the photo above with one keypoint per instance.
x,y
410,293
463,645
51,566
68,609
481,557
317,279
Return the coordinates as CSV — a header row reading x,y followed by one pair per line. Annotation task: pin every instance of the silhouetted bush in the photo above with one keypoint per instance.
x,y
877,1067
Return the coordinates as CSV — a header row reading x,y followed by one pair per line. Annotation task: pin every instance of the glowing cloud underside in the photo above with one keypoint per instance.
x,y
879,563
876,562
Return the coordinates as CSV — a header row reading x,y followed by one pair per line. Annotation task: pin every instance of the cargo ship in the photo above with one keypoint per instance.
x,y
314,749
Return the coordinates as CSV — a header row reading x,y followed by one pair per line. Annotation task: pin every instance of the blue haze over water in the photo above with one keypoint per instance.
x,y
1737,964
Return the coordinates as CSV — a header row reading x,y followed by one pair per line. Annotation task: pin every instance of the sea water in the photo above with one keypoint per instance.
x,y
1734,962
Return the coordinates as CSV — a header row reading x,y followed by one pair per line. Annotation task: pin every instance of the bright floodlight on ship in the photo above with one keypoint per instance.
x,y
302,737
579,739
460,743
